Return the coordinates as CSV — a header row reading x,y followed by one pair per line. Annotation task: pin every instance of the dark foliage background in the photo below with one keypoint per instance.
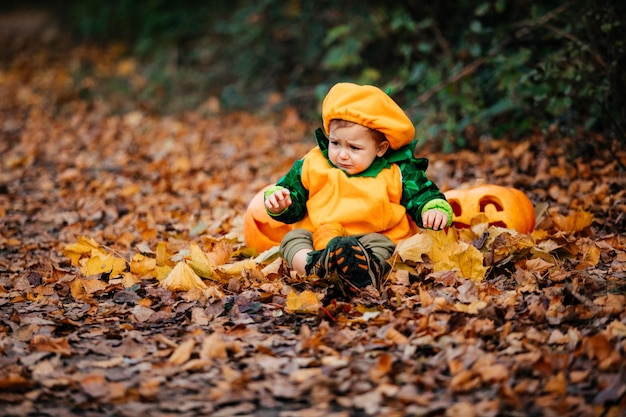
x,y
462,69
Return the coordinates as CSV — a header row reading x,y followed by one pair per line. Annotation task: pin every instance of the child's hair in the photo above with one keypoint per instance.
x,y
378,136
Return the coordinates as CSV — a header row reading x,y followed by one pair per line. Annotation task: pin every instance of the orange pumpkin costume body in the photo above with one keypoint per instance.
x,y
359,204
388,198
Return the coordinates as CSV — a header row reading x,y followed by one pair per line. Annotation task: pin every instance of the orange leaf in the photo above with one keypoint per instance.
x,y
396,337
183,352
557,384
574,222
92,286
142,265
305,302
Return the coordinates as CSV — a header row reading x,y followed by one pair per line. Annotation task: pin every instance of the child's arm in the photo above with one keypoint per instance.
x,y
286,201
278,201
434,219
423,200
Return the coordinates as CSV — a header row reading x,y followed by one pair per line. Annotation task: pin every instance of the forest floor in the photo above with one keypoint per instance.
x,y
101,208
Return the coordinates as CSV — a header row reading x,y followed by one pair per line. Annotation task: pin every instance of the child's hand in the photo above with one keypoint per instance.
x,y
434,219
278,201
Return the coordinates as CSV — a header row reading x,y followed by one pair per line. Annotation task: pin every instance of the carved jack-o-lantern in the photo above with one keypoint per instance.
x,y
260,231
503,206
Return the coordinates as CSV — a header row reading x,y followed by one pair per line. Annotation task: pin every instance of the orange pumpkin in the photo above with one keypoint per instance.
x,y
325,233
260,231
503,207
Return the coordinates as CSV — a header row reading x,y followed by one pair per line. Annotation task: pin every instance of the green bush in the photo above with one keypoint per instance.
x,y
458,67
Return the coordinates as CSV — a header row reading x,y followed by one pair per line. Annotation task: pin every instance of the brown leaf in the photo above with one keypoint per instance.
x,y
58,345
96,386
213,347
557,384
182,353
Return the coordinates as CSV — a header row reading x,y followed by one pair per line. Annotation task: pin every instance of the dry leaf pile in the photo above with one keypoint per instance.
x,y
125,288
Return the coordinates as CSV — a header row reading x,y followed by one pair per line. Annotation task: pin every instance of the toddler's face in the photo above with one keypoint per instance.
x,y
353,147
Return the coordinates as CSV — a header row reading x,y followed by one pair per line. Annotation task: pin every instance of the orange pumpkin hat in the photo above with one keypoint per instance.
x,y
371,107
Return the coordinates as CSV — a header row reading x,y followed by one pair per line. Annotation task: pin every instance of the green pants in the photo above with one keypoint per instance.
x,y
296,240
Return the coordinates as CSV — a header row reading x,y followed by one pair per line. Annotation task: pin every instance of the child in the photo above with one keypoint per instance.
x,y
364,177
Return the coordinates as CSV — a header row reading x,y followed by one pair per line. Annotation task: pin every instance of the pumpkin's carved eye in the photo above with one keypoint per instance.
x,y
490,200
456,206
458,211
489,204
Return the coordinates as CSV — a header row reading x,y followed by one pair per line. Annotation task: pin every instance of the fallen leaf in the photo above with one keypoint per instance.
x,y
413,248
472,308
304,302
575,222
182,353
183,278
199,262
84,245
213,347
142,265
95,385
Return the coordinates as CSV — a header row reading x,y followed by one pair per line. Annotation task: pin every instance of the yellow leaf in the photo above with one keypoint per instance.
x,y
142,265
444,243
462,257
183,278
472,308
118,265
161,272
100,263
199,262
414,247
74,251
470,263
305,302
161,254
238,267
95,265
129,279
81,288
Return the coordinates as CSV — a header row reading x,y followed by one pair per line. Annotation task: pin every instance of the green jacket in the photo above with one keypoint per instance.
x,y
418,192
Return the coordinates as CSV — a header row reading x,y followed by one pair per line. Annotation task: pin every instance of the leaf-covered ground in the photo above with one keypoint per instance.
x,y
99,207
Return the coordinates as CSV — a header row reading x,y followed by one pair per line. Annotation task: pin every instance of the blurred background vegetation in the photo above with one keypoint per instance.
x,y
462,69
